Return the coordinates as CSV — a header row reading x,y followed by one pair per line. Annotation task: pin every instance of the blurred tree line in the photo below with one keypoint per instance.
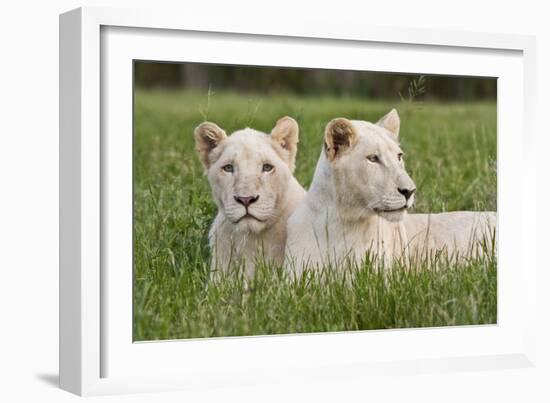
x,y
311,81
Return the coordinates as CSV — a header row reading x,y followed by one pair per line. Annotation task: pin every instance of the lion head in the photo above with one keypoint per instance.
x,y
249,171
368,167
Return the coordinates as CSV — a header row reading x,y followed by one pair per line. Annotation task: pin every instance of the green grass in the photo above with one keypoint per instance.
x,y
450,153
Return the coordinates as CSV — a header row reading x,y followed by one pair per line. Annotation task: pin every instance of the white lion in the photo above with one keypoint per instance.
x,y
358,201
250,174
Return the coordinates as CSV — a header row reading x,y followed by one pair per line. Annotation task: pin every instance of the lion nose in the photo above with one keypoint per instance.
x,y
406,192
246,200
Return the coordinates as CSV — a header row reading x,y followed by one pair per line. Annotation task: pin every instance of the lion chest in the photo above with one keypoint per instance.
x,y
374,237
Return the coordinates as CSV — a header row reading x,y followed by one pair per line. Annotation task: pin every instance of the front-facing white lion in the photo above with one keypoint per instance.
x,y
250,174
358,201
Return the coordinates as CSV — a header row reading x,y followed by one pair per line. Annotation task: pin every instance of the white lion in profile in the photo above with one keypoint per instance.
x,y
250,175
358,201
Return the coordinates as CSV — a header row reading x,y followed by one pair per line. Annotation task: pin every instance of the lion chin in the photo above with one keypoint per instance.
x,y
393,215
250,224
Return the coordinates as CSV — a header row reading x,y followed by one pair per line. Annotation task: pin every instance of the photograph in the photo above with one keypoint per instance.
x,y
274,200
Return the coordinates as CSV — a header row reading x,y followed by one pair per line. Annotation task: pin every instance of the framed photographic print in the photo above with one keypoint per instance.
x,y
236,201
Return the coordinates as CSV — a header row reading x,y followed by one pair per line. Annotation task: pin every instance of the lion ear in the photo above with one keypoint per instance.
x,y
286,133
339,136
208,136
391,122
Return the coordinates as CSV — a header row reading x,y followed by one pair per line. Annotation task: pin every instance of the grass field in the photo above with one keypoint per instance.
x,y
450,154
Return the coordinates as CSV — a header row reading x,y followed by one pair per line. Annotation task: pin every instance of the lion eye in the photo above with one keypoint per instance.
x,y
228,168
373,158
267,168
400,156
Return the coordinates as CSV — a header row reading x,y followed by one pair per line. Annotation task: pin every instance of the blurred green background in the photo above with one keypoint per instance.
x,y
272,80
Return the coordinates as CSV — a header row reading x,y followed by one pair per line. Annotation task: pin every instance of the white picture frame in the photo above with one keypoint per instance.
x,y
97,355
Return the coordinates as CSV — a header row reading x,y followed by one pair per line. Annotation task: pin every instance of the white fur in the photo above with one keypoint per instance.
x,y
345,213
458,234
234,236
